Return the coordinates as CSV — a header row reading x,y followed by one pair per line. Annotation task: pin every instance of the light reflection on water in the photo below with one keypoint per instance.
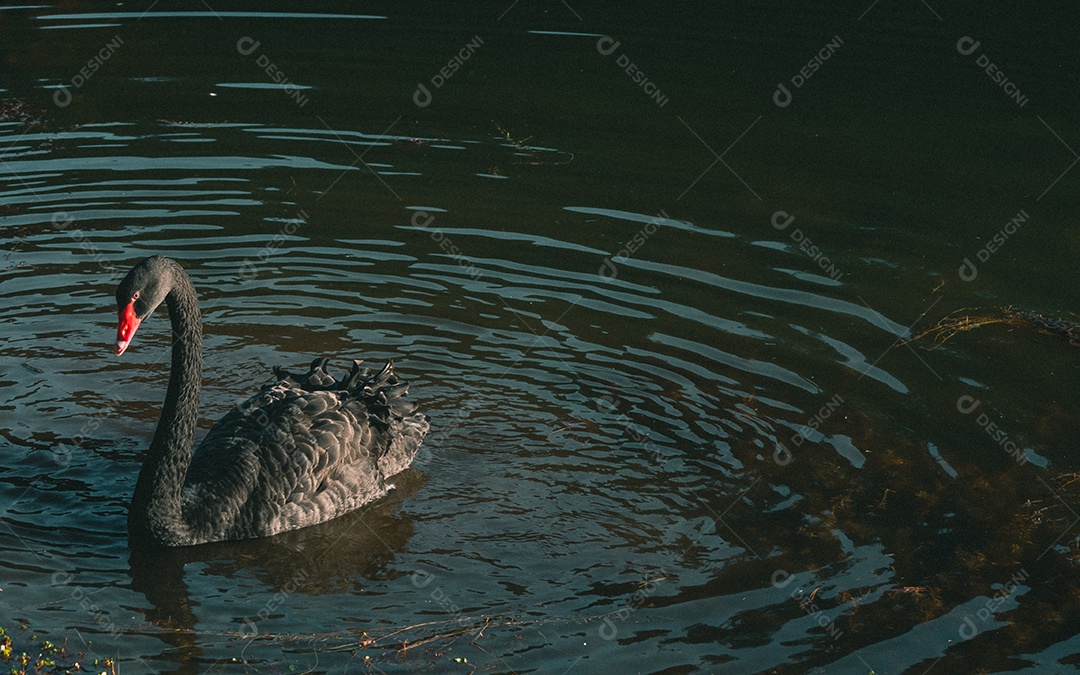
x,y
651,434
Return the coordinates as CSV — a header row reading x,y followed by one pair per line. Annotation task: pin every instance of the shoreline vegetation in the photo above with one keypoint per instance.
x,y
24,652
28,653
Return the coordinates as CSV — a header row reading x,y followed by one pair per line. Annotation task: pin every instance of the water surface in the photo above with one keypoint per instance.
x,y
656,322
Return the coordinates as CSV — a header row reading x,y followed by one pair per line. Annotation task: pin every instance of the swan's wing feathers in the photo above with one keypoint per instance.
x,y
305,449
315,379
335,451
372,433
225,471
392,417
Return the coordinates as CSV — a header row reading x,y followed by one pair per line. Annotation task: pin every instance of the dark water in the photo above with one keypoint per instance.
x,y
672,429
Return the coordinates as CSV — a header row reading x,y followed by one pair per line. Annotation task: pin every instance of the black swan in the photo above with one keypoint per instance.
x,y
303,450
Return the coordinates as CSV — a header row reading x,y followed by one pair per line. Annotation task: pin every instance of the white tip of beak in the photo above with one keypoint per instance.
x,y
121,345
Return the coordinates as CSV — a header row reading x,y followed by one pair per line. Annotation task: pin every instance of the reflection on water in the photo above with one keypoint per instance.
x,y
661,428
333,559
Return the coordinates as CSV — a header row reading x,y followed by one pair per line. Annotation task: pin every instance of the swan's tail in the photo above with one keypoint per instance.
x,y
382,394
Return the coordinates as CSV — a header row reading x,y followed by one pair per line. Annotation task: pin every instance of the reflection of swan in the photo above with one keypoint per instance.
x,y
339,557
303,450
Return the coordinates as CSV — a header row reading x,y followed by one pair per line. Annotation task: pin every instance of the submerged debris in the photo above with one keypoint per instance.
x,y
964,320
21,112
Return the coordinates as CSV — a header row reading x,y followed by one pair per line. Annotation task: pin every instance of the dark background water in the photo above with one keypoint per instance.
x,y
667,434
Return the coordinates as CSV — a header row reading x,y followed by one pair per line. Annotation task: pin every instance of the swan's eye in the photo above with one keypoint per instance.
x,y
135,296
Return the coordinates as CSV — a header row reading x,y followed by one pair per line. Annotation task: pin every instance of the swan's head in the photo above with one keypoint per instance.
x,y
139,294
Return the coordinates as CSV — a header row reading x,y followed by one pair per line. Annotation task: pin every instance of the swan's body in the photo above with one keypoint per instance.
x,y
302,451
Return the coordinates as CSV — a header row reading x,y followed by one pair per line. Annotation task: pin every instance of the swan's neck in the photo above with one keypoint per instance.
x,y
156,512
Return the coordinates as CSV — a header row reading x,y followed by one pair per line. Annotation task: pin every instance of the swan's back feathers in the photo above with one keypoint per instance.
x,y
305,449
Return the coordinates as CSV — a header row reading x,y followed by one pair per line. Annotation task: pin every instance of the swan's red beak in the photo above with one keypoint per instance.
x,y
129,323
